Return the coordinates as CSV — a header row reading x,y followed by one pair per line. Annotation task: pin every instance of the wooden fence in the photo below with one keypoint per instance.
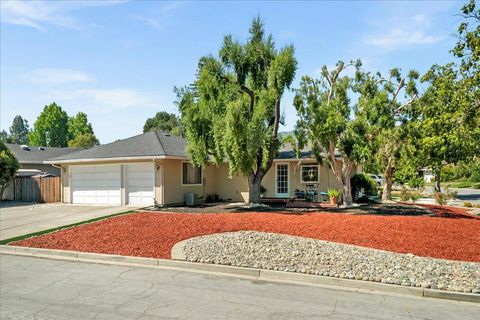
x,y
42,189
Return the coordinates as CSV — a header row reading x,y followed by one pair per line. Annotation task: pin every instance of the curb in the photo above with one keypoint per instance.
x,y
241,272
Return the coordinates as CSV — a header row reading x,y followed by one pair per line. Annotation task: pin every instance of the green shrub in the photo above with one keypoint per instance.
x,y
440,198
464,184
415,195
468,204
404,194
475,177
362,183
476,186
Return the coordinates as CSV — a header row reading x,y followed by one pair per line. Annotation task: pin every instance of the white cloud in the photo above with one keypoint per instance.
x,y
398,31
152,22
39,14
57,76
399,37
117,98
163,16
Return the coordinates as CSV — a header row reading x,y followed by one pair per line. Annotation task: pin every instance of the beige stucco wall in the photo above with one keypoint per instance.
x,y
326,177
173,189
169,189
232,189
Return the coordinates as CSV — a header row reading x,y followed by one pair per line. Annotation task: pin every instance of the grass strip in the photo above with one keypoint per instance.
x,y
39,233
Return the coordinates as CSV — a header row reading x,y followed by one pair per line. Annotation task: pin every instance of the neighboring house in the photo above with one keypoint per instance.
x,y
153,168
428,175
33,162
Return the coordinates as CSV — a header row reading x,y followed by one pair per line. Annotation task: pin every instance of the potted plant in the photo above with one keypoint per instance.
x,y
333,194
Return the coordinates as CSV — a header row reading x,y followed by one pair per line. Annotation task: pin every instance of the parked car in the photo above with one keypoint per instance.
x,y
377,178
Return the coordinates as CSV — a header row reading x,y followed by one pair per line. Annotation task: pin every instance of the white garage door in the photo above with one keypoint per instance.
x,y
140,182
96,184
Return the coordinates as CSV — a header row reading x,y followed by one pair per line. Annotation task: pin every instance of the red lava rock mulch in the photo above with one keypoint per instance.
x,y
154,234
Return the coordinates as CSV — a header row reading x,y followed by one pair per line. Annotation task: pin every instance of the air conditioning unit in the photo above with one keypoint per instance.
x,y
191,199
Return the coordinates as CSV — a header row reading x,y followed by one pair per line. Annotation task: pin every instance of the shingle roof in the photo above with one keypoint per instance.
x,y
287,152
149,144
34,154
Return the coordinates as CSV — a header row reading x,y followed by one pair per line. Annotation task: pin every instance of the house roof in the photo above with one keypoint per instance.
x,y
152,144
35,154
287,152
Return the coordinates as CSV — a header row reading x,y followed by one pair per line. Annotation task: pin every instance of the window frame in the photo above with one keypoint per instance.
x,y
310,165
191,184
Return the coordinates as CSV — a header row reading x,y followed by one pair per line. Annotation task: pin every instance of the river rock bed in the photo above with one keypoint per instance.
x,y
317,257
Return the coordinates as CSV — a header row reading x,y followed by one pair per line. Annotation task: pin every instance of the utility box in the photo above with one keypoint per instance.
x,y
191,199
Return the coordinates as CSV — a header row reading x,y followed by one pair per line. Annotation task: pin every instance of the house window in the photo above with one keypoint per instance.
x,y
191,175
309,173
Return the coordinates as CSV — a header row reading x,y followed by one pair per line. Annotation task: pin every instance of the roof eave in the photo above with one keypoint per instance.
x,y
66,161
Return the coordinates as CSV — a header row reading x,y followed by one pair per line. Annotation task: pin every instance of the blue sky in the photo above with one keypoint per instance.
x,y
118,61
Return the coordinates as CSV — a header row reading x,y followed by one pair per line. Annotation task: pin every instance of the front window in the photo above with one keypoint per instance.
x,y
309,173
190,174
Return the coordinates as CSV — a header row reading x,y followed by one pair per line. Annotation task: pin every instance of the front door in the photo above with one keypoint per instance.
x,y
282,180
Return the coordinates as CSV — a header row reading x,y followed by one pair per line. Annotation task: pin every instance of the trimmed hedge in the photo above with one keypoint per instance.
x,y
362,183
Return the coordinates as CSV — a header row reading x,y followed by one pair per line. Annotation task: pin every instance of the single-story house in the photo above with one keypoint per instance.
x,y
153,169
33,162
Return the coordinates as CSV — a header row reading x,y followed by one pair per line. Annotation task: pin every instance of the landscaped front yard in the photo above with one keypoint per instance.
x,y
416,239
448,234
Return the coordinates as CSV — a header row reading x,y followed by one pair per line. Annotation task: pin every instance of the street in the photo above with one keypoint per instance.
x,y
34,288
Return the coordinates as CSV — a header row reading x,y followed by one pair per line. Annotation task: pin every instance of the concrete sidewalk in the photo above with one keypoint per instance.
x,y
17,220
78,290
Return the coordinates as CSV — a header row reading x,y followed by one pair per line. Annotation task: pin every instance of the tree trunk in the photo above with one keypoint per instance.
x,y
387,188
437,180
254,186
347,192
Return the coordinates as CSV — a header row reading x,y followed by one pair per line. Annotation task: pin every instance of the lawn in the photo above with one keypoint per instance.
x,y
449,234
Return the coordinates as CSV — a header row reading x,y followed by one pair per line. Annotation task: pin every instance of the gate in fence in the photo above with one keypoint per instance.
x,y
38,189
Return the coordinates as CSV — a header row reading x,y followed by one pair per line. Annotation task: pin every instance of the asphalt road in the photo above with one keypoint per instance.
x,y
34,288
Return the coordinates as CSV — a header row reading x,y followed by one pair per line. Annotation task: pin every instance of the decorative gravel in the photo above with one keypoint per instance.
x,y
305,255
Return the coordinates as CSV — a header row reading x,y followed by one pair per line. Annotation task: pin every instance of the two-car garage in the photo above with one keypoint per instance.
x,y
113,184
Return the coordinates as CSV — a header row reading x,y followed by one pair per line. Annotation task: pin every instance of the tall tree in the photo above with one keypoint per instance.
x,y
8,166
325,123
388,117
449,124
164,121
19,130
4,137
50,128
80,132
84,141
232,112
447,133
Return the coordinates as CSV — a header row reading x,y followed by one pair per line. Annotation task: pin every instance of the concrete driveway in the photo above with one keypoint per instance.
x,y
19,219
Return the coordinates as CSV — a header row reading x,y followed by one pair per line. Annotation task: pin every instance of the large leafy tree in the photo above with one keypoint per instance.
x,y
164,121
19,130
50,128
326,123
448,128
84,141
386,105
232,111
80,132
8,166
4,137
467,48
449,122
